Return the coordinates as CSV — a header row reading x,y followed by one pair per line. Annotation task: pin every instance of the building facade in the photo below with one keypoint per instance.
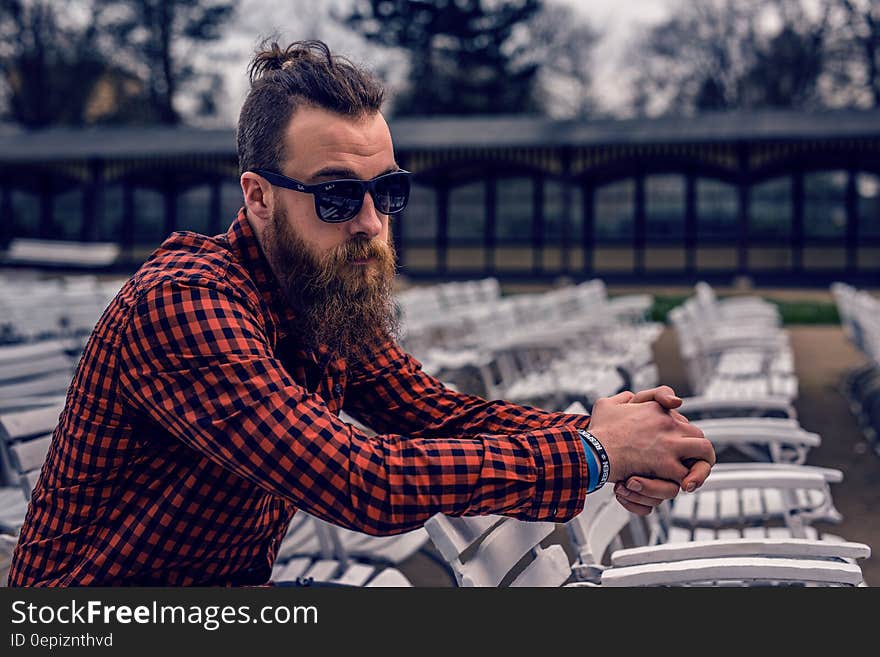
x,y
779,197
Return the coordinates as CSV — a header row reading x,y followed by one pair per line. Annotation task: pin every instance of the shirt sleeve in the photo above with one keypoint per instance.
x,y
195,358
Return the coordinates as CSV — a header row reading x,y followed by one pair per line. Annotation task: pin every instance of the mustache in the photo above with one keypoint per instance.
x,y
359,248
362,249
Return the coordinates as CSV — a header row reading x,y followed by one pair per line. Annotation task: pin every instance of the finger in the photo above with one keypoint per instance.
x,y
697,475
678,416
663,395
637,498
673,471
698,449
691,430
660,489
644,396
632,507
621,397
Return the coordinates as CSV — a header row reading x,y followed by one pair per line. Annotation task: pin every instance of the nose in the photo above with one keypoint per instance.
x,y
367,222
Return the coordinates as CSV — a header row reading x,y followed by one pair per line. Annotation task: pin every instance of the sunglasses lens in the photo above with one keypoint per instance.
x,y
392,193
341,202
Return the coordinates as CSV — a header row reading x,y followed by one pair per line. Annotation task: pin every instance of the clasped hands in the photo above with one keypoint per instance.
x,y
654,451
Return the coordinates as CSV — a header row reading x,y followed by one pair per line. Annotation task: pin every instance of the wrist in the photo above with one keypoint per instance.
x,y
600,468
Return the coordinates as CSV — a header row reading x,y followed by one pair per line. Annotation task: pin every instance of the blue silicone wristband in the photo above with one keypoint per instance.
x,y
592,467
601,454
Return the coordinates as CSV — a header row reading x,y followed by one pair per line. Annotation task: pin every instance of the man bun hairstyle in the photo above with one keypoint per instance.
x,y
282,79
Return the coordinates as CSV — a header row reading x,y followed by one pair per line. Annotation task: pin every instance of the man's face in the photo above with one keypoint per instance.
x,y
337,276
322,146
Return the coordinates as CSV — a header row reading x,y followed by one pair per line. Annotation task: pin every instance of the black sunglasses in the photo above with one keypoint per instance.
x,y
340,200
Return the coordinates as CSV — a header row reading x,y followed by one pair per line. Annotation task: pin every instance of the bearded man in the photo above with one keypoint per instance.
x,y
205,408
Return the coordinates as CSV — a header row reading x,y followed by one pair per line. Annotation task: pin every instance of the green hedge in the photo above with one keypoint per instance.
x,y
793,312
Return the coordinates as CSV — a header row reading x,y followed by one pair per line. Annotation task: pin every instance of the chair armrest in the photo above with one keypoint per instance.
x,y
741,547
754,423
767,344
699,404
735,569
831,475
742,435
764,478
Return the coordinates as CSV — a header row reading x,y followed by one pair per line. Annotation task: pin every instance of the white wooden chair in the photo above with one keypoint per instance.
x,y
35,374
492,551
312,550
788,568
702,407
754,499
601,561
751,500
733,358
767,439
25,437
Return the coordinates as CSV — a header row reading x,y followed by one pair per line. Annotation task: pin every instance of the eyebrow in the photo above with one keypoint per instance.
x,y
340,172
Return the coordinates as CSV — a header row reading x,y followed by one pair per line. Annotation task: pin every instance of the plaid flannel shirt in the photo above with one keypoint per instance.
x,y
196,425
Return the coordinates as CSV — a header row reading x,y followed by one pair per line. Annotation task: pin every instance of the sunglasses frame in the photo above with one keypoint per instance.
x,y
319,189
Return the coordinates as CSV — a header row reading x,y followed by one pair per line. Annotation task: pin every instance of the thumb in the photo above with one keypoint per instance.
x,y
697,474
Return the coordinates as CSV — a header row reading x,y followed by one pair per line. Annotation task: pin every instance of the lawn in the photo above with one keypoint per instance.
x,y
793,312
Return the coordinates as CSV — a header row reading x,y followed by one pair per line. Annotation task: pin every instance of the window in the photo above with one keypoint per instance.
x,y
67,215
868,189
770,210
513,214
554,211
109,221
194,209
664,208
149,217
614,211
25,213
419,220
231,201
825,204
467,212
717,210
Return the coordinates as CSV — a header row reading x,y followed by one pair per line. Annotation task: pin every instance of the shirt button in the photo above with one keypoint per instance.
x,y
337,389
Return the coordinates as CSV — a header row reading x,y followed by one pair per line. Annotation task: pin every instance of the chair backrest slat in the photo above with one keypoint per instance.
x,y
25,437
30,454
50,384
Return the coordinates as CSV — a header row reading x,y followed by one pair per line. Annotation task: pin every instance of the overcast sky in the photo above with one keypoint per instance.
x,y
618,21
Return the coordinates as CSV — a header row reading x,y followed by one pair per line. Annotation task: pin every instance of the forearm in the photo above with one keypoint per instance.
x,y
400,397
399,482
384,484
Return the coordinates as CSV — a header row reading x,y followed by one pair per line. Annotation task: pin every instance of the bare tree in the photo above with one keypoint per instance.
x,y
158,38
562,43
85,61
465,57
49,60
726,54
858,69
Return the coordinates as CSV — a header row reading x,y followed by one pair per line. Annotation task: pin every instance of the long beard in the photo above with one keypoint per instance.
x,y
346,306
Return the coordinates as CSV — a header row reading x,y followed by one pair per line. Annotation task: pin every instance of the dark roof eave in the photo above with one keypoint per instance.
x,y
436,134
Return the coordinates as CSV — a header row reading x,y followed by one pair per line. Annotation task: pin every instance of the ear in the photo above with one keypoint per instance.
x,y
258,197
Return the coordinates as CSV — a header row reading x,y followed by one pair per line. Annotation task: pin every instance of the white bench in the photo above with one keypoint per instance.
x,y
58,252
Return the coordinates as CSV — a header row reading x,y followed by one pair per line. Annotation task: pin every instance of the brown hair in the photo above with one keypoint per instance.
x,y
305,72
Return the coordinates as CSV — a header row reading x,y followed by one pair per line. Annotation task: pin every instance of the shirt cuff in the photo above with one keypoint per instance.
x,y
562,477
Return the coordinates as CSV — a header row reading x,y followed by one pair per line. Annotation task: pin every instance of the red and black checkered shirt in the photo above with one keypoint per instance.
x,y
195,426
